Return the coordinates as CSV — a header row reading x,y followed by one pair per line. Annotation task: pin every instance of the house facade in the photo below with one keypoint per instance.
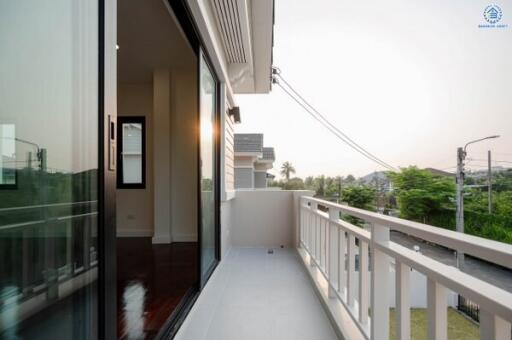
x,y
117,150
252,161
120,216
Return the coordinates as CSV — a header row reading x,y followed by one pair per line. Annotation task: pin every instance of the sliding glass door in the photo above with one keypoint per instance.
x,y
49,169
208,169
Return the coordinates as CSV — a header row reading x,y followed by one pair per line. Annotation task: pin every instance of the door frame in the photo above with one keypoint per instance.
x,y
183,15
203,278
107,111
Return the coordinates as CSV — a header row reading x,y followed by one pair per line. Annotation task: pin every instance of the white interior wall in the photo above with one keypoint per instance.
x,y
184,137
135,206
158,78
162,150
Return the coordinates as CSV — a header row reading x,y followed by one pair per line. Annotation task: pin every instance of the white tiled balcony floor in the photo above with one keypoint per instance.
x,y
255,295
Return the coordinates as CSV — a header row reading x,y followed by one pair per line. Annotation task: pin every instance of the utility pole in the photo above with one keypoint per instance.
x,y
489,181
461,155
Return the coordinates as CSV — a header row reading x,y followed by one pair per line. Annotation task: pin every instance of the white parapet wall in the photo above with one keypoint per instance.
x,y
265,218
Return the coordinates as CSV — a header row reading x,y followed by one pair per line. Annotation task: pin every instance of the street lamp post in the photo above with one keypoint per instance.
x,y
461,156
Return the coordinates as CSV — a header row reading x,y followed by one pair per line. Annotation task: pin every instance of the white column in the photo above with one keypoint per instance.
x,y
437,311
492,327
351,270
363,282
403,304
162,156
313,226
379,284
333,266
341,261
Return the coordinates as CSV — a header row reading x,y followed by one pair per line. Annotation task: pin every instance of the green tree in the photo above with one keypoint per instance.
x,y
294,183
286,170
420,193
320,186
309,183
503,204
359,196
350,179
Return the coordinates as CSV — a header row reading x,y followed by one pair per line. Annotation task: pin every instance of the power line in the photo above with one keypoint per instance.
x,y
327,124
351,141
493,161
331,129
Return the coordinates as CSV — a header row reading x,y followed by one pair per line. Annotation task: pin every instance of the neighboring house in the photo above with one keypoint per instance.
x,y
252,161
442,173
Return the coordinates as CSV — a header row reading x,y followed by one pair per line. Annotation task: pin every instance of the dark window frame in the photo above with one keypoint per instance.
x,y
121,120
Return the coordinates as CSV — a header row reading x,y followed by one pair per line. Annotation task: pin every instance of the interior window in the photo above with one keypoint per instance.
x,y
131,153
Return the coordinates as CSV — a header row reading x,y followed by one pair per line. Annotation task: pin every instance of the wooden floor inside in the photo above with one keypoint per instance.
x,y
151,281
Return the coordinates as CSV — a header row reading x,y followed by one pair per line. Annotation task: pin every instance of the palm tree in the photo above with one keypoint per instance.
x,y
287,169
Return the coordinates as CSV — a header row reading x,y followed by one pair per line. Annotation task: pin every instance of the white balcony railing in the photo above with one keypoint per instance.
x,y
332,245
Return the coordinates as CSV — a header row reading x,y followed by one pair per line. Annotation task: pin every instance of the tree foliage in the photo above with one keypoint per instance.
x,y
420,193
286,170
359,196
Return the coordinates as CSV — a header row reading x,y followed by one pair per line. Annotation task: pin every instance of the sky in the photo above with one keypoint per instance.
x,y
409,80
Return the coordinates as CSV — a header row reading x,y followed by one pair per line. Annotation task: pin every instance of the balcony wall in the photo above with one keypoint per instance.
x,y
265,218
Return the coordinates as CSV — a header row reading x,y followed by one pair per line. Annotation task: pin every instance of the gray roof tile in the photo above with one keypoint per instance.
x,y
268,154
248,142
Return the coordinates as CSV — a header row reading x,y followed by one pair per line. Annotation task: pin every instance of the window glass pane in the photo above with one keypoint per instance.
x,y
49,150
132,153
208,100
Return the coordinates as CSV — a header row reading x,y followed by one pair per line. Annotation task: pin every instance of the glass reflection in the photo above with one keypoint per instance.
x,y
208,102
134,297
49,162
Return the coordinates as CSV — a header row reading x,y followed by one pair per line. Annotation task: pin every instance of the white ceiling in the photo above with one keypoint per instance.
x,y
149,38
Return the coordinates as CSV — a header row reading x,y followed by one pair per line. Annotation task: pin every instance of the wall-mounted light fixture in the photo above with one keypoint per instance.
x,y
235,113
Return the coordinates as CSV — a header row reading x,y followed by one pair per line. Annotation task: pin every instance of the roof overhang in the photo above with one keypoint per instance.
x,y
238,35
255,155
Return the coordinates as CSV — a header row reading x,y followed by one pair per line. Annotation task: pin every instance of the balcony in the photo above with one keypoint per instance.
x,y
295,270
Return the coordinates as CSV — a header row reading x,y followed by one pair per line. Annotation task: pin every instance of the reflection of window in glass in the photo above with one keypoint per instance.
x,y
131,153
8,156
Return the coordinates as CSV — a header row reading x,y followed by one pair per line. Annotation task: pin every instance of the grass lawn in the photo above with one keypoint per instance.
x,y
459,327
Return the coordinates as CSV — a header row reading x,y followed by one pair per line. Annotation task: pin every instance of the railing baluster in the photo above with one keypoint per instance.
x,y
334,215
321,241
379,284
437,310
351,271
363,282
493,327
325,245
312,254
403,305
341,261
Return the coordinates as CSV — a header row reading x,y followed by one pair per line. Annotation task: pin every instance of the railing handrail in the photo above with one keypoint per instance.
x,y
45,206
489,250
51,219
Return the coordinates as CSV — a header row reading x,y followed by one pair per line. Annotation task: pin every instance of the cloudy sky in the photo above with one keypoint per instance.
x,y
409,80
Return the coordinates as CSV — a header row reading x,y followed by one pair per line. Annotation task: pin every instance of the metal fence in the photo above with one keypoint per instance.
x,y
469,308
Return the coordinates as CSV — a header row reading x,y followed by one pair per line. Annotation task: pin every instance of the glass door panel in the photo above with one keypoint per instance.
x,y
48,169
207,170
